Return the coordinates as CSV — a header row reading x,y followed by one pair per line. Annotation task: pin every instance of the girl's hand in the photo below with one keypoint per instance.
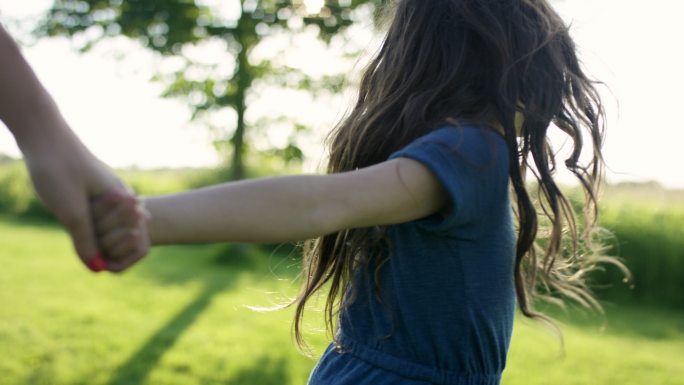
x,y
121,228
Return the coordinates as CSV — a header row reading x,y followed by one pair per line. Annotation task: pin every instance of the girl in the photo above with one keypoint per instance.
x,y
416,244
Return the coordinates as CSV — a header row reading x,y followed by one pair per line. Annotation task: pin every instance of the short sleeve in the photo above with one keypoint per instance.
x,y
464,161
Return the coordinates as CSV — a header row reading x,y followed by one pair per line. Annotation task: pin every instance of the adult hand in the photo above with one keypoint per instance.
x,y
65,174
67,177
121,226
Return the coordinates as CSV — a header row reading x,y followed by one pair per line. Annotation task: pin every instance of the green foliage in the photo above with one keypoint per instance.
x,y
646,226
17,196
16,192
169,27
648,223
166,181
181,317
650,241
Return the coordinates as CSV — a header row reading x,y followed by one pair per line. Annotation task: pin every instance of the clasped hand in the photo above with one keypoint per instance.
x,y
121,227
100,213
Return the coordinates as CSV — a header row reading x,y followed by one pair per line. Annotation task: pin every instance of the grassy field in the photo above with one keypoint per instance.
x,y
647,222
181,317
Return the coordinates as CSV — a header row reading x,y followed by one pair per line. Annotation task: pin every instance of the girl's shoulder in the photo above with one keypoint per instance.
x,y
465,133
471,163
476,143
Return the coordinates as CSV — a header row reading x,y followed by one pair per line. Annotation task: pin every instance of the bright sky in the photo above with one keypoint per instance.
x,y
633,46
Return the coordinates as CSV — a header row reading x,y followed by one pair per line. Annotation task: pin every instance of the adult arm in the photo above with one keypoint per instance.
x,y
64,173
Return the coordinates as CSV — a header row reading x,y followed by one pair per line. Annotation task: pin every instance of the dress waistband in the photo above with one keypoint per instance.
x,y
413,370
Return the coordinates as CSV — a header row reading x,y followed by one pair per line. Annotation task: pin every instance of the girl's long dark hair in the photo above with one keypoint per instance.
x,y
499,62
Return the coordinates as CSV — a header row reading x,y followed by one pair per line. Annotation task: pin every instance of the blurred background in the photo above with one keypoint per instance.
x,y
178,94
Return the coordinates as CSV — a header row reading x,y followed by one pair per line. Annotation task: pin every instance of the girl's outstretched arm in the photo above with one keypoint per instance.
x,y
276,209
299,207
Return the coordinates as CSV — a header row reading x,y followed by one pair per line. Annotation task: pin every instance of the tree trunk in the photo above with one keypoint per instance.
x,y
242,79
238,140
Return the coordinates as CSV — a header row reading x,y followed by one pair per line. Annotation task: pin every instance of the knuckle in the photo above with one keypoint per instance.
x,y
128,203
143,251
139,252
73,221
133,240
107,241
99,207
131,210
100,227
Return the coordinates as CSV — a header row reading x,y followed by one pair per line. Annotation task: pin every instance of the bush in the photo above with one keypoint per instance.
x,y
648,223
17,196
650,241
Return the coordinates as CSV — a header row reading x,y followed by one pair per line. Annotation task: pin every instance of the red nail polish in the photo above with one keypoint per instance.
x,y
97,264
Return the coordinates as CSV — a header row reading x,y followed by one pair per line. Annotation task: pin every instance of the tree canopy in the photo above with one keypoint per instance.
x,y
170,26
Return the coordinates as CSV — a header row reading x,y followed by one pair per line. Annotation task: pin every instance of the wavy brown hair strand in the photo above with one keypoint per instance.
x,y
506,63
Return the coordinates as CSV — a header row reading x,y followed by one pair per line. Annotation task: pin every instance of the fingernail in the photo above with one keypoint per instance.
x,y
97,264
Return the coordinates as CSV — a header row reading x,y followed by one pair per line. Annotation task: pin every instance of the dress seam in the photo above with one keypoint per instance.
x,y
412,370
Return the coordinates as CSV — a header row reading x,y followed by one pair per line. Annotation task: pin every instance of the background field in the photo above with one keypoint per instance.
x,y
182,316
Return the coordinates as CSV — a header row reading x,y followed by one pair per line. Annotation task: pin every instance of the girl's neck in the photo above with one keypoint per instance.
x,y
519,120
494,123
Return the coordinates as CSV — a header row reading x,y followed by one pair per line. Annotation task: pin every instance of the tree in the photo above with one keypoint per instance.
x,y
170,26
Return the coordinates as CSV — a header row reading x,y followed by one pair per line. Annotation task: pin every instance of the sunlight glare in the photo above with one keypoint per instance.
x,y
313,6
225,10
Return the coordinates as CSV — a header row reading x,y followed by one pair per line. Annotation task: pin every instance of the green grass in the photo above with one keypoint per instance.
x,y
180,317
633,346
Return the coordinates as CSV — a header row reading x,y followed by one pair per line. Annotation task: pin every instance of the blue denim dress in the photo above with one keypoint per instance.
x,y
447,300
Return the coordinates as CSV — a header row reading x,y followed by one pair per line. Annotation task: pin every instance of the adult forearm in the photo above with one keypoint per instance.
x,y
25,105
266,210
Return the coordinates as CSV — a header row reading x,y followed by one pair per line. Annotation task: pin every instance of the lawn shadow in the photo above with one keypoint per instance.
x,y
137,368
218,268
265,371
182,264
635,321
